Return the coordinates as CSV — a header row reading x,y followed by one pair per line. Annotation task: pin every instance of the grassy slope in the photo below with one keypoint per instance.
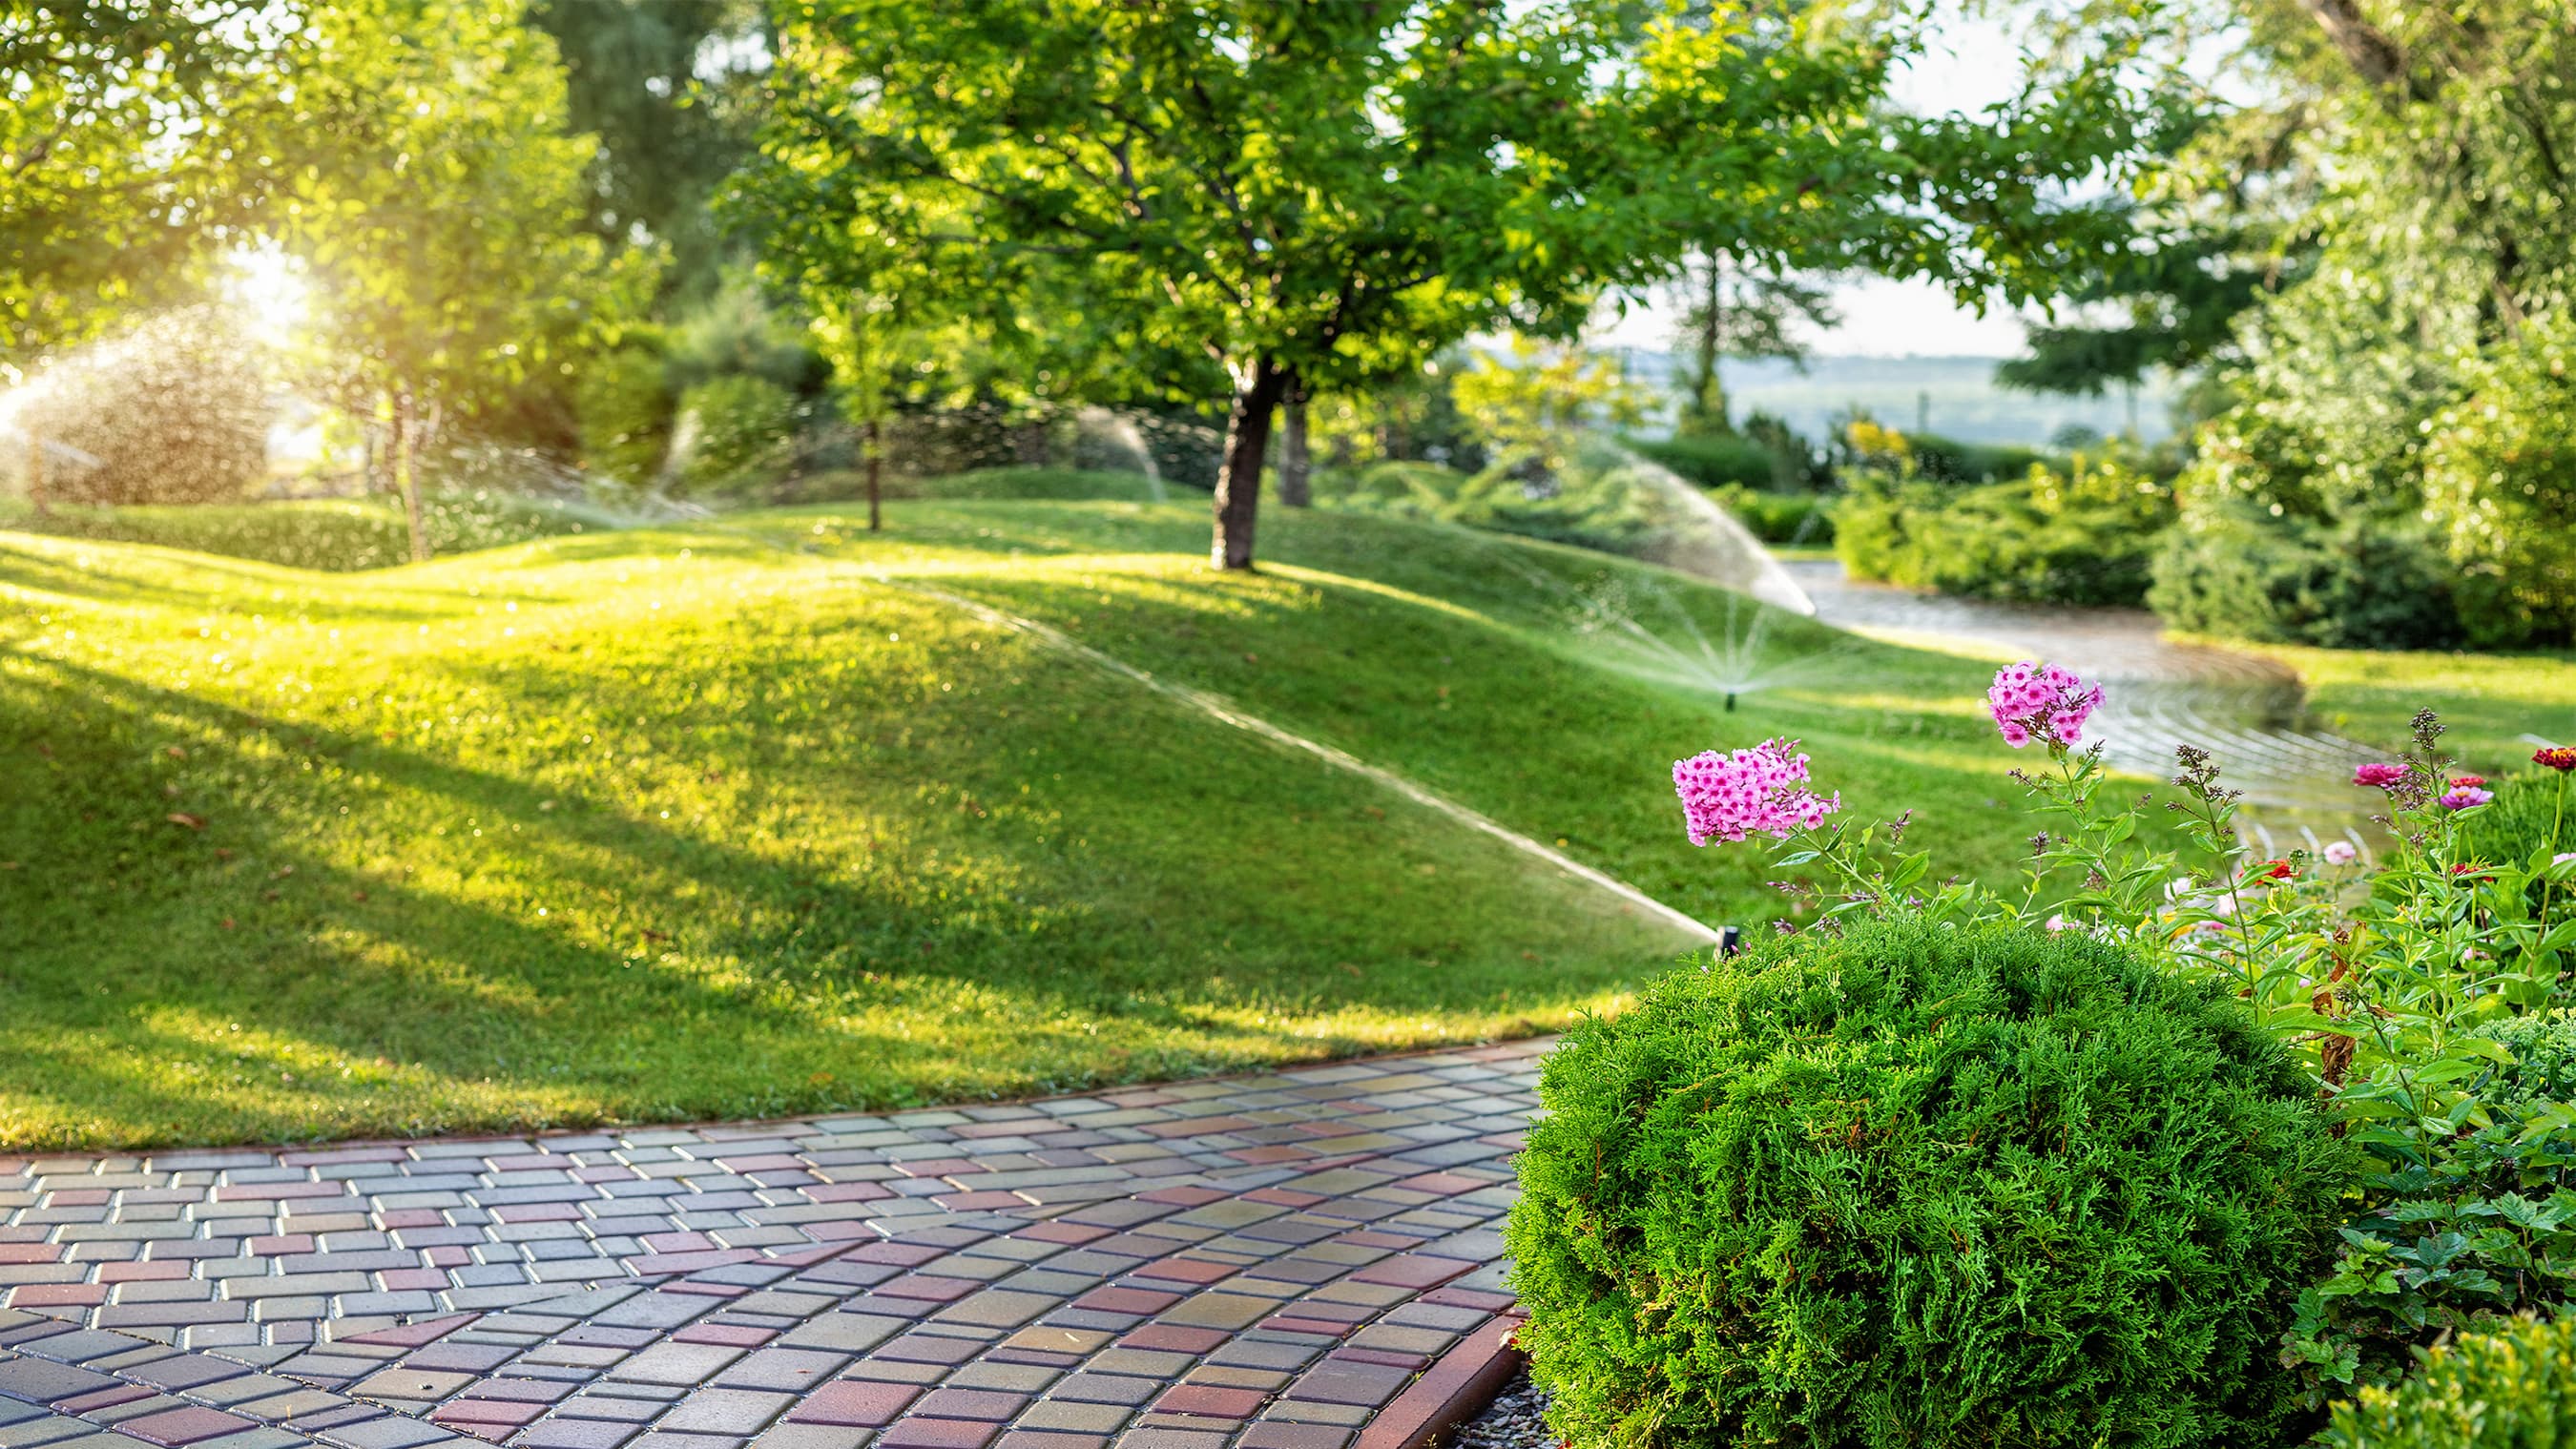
x,y
737,820
2489,700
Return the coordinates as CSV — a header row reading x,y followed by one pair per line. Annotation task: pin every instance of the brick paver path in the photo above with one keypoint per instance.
x,y
1261,1261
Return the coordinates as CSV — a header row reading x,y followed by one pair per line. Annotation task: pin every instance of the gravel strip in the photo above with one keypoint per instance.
x,y
1513,1421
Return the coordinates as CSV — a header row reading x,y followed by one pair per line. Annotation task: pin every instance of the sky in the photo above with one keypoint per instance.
x,y
1973,63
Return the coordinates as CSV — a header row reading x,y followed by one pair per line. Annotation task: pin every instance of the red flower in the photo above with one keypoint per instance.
x,y
2467,782
2273,870
2556,757
2467,868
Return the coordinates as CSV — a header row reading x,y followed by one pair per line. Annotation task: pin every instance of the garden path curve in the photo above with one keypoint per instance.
x,y
1296,1259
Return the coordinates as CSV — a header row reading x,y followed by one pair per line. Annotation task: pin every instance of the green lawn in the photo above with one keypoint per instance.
x,y
753,817
2489,701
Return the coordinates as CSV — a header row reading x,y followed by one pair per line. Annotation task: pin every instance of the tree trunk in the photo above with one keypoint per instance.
x,y
875,445
1238,485
1706,412
405,479
2371,53
1294,460
36,472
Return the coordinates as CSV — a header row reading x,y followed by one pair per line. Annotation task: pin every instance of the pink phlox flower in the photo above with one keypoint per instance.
x,y
2378,776
2466,797
2058,923
2340,852
2030,700
1757,791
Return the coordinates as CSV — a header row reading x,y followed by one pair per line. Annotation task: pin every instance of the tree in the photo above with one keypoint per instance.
x,y
664,85
443,215
1310,197
1317,196
129,150
1736,313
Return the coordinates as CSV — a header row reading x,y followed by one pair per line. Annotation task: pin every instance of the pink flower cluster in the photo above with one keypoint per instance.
x,y
1760,791
2377,776
2463,797
2031,701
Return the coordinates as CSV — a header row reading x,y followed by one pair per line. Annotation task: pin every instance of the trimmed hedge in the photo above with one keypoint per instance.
x,y
2511,1389
1914,1187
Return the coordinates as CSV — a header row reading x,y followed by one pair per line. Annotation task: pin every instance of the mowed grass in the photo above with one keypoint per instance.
x,y
2488,702
757,817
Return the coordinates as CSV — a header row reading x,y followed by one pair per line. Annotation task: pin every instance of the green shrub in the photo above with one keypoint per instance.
x,y
2510,1389
1598,502
625,405
2082,537
2500,481
2234,571
1779,517
736,433
1923,1186
1947,460
1711,460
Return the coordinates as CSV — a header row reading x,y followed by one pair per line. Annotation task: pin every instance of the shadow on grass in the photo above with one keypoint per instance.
x,y
784,979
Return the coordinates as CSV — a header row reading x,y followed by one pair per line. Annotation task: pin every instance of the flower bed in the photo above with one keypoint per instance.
x,y
1960,1165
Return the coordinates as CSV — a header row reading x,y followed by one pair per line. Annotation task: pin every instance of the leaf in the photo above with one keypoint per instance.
x,y
182,817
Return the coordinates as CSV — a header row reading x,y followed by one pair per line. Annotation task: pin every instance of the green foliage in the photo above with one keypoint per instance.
x,y
624,401
662,84
736,432
1947,460
1722,460
1801,518
329,535
1322,196
1911,1185
2237,572
136,136
1531,410
2500,486
2080,537
176,410
1598,507
2416,369
2512,1388
444,216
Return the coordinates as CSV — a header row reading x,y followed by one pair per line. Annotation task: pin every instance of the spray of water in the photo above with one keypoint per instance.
x,y
1708,541
1120,430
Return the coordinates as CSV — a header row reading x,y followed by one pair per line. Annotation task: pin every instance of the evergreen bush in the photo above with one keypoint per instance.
x,y
2511,1389
1923,1186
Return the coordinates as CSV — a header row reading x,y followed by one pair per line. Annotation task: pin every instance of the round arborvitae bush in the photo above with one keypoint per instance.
x,y
1923,1187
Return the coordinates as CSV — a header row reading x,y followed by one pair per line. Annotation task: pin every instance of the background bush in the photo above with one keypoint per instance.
x,y
2235,571
2500,483
1711,460
2084,536
2511,1389
1801,518
736,433
1923,1187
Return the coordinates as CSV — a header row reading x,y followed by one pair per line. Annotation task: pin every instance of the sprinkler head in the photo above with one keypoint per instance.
x,y
1730,702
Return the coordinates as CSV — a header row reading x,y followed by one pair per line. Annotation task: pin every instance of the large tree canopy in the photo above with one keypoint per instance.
x,y
133,138
1314,196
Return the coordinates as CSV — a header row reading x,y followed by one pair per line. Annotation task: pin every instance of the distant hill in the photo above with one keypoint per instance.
x,y
1953,396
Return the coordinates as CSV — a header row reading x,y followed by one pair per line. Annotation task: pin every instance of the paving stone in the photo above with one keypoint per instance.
x,y
1202,1246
